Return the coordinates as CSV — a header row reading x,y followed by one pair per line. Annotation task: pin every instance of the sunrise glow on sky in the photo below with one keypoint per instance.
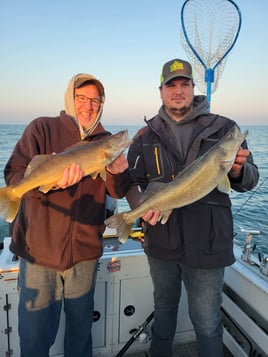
x,y
123,43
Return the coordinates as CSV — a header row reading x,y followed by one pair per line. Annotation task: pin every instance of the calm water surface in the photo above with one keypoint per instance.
x,y
250,209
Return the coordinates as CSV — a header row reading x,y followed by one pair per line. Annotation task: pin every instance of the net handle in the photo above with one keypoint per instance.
x,y
209,72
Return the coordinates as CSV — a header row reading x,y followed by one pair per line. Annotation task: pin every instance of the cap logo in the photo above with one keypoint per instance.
x,y
176,66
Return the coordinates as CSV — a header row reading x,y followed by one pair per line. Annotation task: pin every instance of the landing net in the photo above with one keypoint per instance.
x,y
210,29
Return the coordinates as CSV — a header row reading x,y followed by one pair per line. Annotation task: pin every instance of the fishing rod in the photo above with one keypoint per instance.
x,y
135,335
210,29
252,193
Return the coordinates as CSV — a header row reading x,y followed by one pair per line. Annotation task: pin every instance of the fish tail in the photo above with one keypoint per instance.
x,y
123,229
9,204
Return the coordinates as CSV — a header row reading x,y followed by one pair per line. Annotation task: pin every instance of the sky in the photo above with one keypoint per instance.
x,y
124,44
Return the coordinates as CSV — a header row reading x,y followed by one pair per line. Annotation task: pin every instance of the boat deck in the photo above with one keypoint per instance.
x,y
181,350
122,271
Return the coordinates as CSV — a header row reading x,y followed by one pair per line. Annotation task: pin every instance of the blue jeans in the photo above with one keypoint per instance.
x,y
204,290
42,292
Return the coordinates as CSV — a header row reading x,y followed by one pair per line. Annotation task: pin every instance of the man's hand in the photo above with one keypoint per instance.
x,y
240,160
119,165
152,217
70,176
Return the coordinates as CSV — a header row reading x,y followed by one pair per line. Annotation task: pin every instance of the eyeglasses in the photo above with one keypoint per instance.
x,y
83,99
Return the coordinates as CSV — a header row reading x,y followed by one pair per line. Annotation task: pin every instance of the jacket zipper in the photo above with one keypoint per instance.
x,y
157,159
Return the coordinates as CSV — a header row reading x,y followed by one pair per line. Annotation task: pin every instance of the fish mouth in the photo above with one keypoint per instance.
x,y
126,138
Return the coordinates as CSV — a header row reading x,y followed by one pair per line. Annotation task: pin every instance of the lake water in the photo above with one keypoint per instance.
x,y
250,209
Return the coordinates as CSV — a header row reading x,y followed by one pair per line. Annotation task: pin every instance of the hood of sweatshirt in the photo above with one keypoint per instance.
x,y
76,81
200,107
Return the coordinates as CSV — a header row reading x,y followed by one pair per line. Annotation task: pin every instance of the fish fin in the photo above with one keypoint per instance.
x,y
165,216
94,175
47,188
224,185
102,175
9,204
36,161
122,229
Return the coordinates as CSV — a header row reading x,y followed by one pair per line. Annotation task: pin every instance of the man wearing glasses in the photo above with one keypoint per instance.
x,y
58,235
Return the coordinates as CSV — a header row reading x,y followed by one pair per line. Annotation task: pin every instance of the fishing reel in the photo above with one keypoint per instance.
x,y
248,248
264,264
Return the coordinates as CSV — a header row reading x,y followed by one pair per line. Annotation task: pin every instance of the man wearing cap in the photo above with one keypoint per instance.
x,y
196,243
58,235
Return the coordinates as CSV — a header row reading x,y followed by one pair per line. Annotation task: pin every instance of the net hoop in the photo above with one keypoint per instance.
x,y
210,29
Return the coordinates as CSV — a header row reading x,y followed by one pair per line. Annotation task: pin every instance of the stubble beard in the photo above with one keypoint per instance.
x,y
179,114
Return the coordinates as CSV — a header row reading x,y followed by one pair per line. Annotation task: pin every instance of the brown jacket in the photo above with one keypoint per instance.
x,y
62,227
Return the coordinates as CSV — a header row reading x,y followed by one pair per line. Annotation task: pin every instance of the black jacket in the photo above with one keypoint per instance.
x,y
199,235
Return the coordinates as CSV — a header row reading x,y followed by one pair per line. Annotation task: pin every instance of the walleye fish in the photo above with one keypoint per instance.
x,y
193,183
44,171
